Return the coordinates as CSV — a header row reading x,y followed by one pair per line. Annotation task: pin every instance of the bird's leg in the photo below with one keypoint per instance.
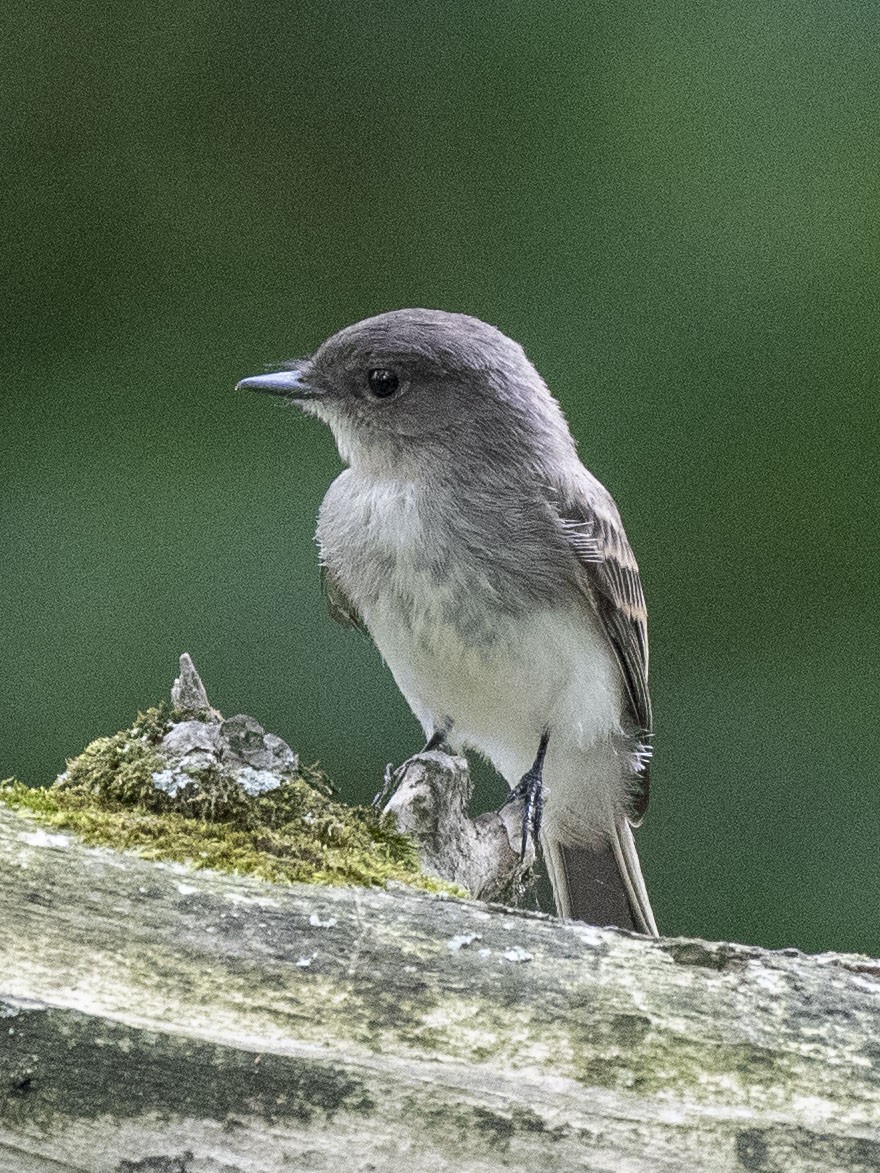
x,y
531,791
437,740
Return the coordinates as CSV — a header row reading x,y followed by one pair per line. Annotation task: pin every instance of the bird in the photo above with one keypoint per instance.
x,y
492,571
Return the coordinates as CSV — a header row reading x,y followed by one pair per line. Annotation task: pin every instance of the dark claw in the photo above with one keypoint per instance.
x,y
437,740
531,791
389,785
390,782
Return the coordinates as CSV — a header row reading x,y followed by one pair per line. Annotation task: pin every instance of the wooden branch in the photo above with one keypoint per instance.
x,y
432,793
160,1020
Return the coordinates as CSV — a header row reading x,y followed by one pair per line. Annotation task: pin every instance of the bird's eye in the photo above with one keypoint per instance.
x,y
382,382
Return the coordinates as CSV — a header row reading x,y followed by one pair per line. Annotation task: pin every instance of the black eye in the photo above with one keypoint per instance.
x,y
382,382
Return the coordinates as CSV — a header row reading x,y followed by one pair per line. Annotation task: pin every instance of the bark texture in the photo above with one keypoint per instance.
x,y
159,1020
432,793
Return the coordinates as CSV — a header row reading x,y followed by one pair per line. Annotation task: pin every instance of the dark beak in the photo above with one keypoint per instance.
x,y
287,384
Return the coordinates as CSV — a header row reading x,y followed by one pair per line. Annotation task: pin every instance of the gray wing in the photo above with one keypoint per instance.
x,y
339,605
595,532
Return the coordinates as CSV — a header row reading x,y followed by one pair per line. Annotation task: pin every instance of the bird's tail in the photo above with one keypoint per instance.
x,y
601,885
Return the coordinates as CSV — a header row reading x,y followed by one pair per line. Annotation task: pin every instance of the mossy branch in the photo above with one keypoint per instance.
x,y
160,1016
183,784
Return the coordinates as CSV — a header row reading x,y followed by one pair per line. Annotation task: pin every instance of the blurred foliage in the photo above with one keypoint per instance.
x,y
673,207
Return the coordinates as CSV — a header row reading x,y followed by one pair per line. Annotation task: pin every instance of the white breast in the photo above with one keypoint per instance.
x,y
500,682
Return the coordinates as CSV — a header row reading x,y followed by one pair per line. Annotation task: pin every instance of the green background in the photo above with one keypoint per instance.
x,y
672,206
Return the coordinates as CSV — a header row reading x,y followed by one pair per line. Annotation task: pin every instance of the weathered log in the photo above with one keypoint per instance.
x,y
163,1020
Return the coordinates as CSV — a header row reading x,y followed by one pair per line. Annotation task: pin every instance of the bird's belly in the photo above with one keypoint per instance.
x,y
501,685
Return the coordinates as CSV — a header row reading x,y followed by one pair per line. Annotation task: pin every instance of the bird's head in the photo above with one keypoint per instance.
x,y
415,385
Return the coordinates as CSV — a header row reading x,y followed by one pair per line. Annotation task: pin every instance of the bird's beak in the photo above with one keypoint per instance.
x,y
287,384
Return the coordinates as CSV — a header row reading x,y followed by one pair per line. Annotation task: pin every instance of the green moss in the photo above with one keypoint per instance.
x,y
296,832
118,770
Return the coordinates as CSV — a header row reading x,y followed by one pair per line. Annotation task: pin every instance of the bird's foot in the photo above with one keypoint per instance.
x,y
390,782
530,792
391,778
437,740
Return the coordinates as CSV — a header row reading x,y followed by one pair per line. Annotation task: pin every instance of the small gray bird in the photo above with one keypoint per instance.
x,y
493,573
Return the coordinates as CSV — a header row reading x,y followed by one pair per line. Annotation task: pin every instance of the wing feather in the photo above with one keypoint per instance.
x,y
339,605
611,581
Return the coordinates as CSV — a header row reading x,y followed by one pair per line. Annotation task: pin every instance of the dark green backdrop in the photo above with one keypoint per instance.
x,y
674,208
